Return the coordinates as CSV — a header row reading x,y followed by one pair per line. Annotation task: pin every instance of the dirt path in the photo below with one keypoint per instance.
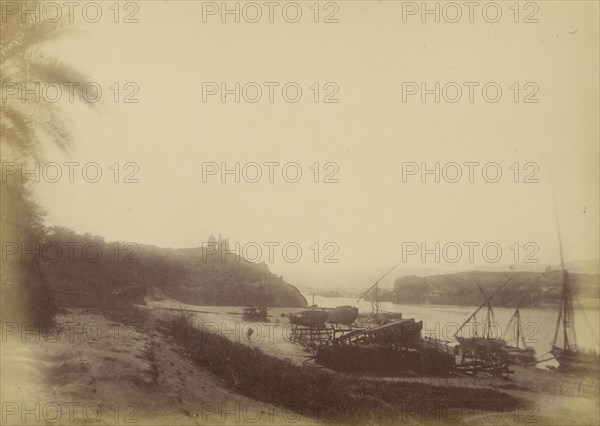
x,y
104,371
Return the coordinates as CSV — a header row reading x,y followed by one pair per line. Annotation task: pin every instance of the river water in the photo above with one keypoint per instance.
x,y
442,322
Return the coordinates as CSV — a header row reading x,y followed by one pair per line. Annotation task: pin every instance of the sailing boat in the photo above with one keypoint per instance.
x,y
378,313
570,358
519,354
486,347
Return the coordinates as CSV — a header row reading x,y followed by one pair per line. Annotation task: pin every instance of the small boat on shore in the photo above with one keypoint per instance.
x,y
483,353
392,349
342,315
309,318
255,313
517,354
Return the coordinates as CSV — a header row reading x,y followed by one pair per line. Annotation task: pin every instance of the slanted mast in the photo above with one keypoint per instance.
x,y
486,302
375,304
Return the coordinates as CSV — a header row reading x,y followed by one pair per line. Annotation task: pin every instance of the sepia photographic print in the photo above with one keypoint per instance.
x,y
367,212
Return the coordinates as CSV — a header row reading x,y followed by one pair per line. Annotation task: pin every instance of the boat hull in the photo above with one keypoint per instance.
x,y
343,315
576,361
311,318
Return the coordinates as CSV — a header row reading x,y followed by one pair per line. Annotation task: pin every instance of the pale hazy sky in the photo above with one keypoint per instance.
x,y
369,133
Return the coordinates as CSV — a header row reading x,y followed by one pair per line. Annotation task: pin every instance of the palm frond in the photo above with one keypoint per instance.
x,y
27,123
17,38
51,70
20,127
56,127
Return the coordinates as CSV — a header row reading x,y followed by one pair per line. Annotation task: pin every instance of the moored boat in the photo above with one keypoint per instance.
x,y
254,313
343,315
517,354
569,356
309,318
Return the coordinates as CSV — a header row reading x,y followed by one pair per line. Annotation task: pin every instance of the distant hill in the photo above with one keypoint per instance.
x,y
461,288
187,275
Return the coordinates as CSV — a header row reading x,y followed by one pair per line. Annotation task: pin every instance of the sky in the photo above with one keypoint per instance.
x,y
368,216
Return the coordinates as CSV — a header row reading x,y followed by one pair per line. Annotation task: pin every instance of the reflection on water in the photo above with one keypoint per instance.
x,y
442,322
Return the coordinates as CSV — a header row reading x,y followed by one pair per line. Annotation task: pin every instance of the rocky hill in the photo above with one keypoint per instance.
x,y
201,276
461,288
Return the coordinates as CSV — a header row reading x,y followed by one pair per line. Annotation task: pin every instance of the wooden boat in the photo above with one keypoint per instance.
x,y
309,318
343,315
576,361
520,356
569,356
487,344
384,317
404,332
520,353
390,349
486,353
254,313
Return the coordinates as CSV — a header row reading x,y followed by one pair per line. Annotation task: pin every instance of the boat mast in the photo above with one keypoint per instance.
x,y
516,319
375,285
482,305
565,313
490,318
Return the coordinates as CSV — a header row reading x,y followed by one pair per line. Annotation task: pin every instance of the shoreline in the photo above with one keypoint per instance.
x,y
591,304
142,371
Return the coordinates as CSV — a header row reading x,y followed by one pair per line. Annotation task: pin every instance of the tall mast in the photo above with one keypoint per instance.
x,y
377,282
565,313
482,305
516,318
490,318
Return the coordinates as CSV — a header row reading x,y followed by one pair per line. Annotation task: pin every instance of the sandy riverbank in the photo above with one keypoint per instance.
x,y
111,371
